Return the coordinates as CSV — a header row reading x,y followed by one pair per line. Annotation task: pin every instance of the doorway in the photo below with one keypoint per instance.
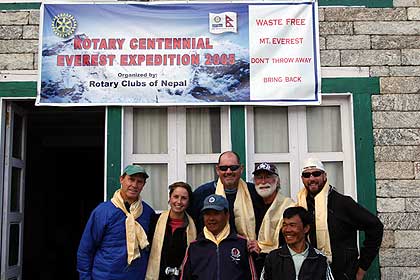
x,y
64,182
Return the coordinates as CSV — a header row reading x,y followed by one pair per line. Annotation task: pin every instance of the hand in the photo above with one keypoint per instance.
x,y
360,274
253,246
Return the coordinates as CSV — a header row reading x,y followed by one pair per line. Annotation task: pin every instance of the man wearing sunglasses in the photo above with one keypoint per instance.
x,y
336,220
240,195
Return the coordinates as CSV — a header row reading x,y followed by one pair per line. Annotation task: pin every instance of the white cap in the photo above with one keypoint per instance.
x,y
312,163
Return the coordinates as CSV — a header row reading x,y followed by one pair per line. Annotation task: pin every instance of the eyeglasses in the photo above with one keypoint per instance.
x,y
231,167
308,174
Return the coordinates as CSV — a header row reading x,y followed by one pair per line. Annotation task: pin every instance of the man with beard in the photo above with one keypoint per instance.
x,y
269,215
241,195
336,220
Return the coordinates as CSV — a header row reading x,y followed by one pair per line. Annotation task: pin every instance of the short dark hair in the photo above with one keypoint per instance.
x,y
303,214
229,152
184,185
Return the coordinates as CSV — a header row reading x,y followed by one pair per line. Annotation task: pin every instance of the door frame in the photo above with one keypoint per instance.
x,y
9,110
3,110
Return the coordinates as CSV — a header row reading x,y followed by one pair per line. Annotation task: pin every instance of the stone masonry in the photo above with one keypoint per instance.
x,y
18,40
387,41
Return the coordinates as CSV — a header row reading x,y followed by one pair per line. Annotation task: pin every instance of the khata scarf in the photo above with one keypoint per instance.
x,y
153,267
321,215
268,236
134,232
220,237
242,208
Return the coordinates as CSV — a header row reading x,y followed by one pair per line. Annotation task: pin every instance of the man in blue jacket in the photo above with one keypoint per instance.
x,y
218,253
114,243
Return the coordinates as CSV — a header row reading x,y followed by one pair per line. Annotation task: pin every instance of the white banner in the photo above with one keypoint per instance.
x,y
179,54
284,60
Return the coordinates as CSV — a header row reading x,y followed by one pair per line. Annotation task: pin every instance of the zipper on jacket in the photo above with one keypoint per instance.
x,y
218,262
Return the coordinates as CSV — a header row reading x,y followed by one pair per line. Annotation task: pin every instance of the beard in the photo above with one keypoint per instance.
x,y
265,190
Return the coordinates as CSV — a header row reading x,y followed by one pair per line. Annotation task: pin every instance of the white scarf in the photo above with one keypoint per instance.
x,y
220,237
242,208
268,236
321,218
153,266
134,232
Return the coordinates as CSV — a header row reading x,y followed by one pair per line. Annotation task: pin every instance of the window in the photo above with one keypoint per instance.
x,y
175,144
286,136
184,143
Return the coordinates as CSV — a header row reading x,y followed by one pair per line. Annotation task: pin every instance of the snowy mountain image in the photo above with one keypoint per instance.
x,y
225,80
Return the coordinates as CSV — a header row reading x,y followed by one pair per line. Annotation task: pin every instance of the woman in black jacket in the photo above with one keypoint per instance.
x,y
172,231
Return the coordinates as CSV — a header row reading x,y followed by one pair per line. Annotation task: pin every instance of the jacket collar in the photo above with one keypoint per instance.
x,y
285,253
232,235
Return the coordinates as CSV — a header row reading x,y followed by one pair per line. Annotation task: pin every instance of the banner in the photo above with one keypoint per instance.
x,y
179,54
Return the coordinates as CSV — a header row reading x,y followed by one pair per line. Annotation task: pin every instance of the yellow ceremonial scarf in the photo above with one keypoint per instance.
x,y
153,267
220,237
321,215
134,232
268,236
242,208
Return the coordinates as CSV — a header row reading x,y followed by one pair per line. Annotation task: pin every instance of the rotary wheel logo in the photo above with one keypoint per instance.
x,y
64,25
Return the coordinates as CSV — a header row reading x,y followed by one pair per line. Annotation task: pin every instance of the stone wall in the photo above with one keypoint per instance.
x,y
387,42
19,40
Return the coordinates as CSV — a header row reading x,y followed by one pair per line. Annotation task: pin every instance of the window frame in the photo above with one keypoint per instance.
x,y
298,148
176,159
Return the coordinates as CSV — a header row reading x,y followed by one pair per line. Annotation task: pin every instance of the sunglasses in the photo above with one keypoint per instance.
x,y
231,167
308,174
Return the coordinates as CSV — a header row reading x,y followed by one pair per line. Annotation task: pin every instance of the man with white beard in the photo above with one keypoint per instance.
x,y
268,216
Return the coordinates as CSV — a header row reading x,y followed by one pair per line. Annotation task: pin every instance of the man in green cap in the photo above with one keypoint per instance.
x,y
114,243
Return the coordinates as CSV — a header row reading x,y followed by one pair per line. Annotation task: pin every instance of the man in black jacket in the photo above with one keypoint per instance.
x,y
218,253
337,218
298,259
